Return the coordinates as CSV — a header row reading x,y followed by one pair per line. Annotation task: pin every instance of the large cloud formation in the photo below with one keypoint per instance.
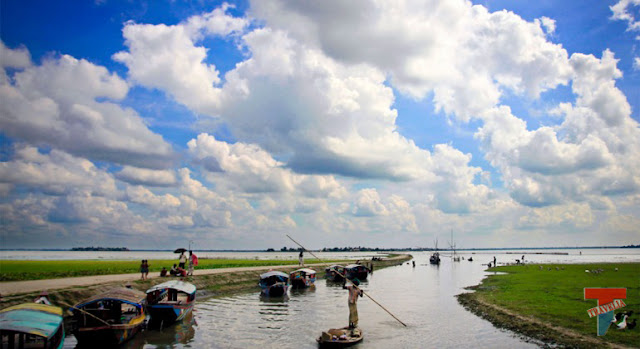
x,y
314,143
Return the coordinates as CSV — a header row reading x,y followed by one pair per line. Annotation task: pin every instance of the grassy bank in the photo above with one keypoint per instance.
x,y
12,270
213,285
546,302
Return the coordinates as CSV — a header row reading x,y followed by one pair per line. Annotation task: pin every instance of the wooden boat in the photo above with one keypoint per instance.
x,y
170,301
340,337
435,258
356,271
302,278
274,283
31,325
109,318
335,273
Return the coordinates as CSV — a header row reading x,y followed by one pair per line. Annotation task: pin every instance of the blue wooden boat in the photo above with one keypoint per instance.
x,y
109,318
170,301
32,325
356,271
274,283
335,273
302,278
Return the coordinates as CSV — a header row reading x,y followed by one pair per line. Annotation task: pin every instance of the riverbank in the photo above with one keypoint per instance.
x,y
22,270
546,302
210,282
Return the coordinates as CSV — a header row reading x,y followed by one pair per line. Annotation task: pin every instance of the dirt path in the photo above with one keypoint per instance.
x,y
24,287
30,286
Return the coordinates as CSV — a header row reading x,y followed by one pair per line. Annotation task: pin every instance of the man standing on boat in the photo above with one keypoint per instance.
x,y
354,292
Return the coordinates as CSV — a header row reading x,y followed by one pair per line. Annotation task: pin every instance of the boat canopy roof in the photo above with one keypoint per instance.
x,y
274,273
36,319
352,266
125,295
181,286
336,266
304,270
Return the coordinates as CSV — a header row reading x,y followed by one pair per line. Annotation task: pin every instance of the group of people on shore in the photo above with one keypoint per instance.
x,y
177,269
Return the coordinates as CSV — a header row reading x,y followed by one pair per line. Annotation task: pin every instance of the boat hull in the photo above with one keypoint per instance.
x,y
106,336
301,284
168,313
329,340
275,290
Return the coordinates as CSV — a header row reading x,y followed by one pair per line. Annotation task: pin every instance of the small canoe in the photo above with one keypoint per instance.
x,y
274,283
170,301
31,325
340,337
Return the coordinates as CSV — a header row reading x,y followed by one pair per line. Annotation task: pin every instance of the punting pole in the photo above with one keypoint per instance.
x,y
366,294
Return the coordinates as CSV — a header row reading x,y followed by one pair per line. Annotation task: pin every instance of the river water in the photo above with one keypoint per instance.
x,y
423,297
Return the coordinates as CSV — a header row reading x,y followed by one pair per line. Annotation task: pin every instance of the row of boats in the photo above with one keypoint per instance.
x,y
276,283
106,319
115,316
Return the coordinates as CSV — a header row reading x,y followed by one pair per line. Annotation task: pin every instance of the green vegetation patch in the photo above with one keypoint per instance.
x,y
554,294
12,270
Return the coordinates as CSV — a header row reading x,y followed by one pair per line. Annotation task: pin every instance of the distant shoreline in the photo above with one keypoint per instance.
x,y
123,249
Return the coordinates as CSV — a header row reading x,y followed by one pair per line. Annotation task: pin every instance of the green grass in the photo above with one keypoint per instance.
x,y
557,296
12,270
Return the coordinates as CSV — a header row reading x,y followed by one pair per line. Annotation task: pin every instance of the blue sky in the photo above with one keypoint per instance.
x,y
147,124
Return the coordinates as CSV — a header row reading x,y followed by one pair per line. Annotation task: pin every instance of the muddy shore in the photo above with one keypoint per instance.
x,y
212,283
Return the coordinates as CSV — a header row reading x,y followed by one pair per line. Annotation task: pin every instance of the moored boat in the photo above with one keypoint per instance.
x,y
435,258
170,301
340,337
335,273
302,278
356,271
274,283
109,318
31,325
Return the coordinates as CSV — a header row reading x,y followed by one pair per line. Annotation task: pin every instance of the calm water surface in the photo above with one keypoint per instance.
x,y
422,297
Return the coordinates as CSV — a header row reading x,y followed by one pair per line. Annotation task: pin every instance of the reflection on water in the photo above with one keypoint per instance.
x,y
420,296
171,336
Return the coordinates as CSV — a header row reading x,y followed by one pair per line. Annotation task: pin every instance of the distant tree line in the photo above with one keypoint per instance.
x,y
99,249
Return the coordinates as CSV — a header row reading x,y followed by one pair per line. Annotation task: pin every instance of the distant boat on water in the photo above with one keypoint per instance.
x,y
435,256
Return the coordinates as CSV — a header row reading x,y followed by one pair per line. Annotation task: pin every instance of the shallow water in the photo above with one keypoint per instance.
x,y
422,297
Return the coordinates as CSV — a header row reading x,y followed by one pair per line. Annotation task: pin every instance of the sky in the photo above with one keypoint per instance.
x,y
149,124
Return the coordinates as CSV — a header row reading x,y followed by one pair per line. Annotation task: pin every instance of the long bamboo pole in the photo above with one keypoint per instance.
x,y
86,312
366,294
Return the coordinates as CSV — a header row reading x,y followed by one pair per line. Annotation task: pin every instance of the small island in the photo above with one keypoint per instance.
x,y
99,249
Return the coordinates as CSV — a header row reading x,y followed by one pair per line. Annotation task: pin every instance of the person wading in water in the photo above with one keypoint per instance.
x,y
354,292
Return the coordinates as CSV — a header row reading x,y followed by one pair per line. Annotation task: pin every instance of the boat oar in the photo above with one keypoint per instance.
x,y
345,276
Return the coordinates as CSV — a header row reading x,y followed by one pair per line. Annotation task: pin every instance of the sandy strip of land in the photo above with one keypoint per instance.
x,y
18,287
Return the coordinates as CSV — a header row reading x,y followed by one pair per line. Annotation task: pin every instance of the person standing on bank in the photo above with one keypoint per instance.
x,y
354,292
191,263
301,259
182,261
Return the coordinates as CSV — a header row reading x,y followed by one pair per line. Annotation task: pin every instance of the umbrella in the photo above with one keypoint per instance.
x,y
180,250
